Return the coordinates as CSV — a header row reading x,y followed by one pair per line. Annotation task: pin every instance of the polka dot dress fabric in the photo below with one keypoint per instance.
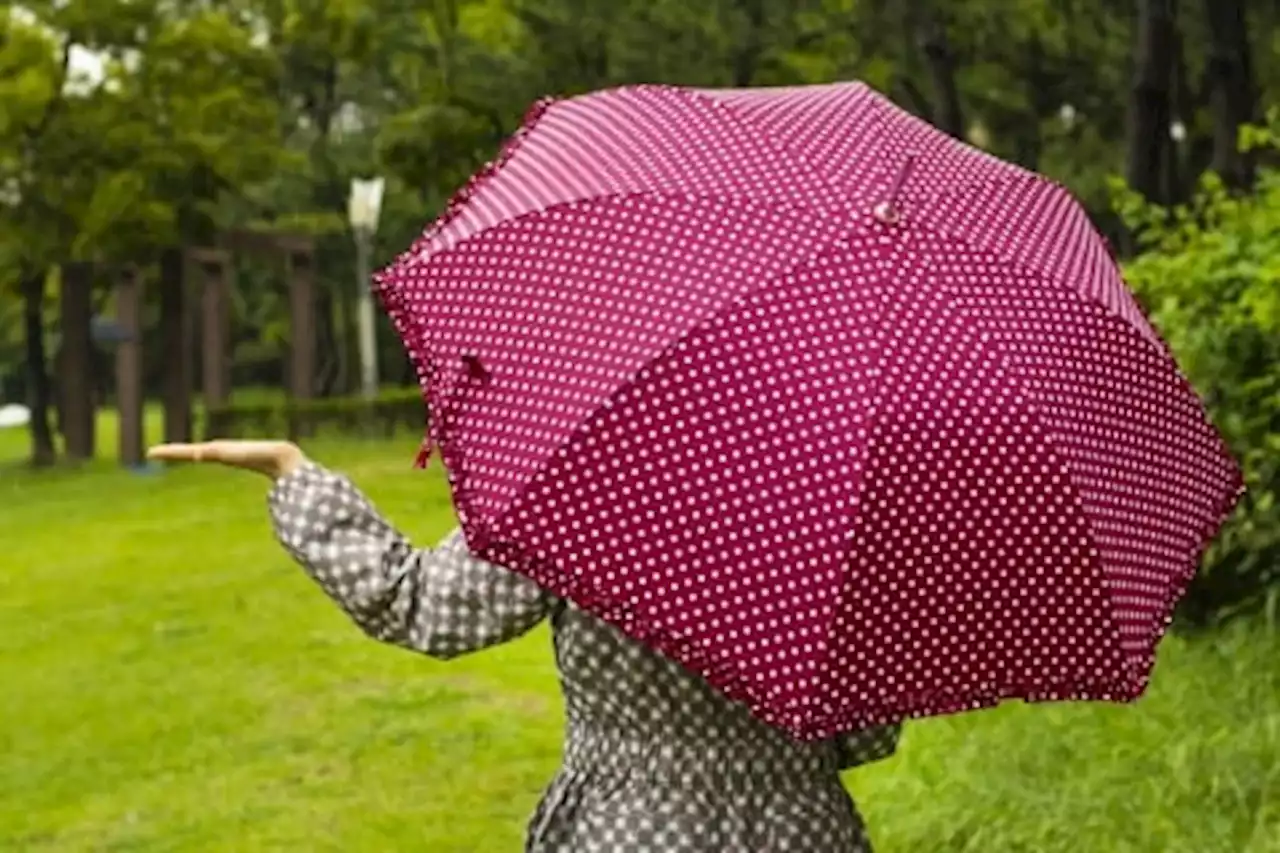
x,y
655,759
853,420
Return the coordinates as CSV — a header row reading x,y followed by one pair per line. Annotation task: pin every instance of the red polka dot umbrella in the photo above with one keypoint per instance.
x,y
856,421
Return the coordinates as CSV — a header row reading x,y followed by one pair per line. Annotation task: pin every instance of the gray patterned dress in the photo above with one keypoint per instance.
x,y
655,761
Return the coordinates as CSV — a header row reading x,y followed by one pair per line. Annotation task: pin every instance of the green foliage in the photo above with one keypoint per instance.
x,y
183,114
1210,273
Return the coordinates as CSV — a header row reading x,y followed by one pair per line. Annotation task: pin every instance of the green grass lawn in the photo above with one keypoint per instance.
x,y
170,682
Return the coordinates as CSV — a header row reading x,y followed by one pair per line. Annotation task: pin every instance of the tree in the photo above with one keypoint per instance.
x,y
117,167
330,89
1151,108
930,31
1231,89
34,74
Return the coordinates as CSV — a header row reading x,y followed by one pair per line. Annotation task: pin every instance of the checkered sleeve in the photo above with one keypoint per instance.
x,y
442,602
868,745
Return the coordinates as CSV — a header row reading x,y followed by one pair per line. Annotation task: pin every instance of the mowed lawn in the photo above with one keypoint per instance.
x,y
169,681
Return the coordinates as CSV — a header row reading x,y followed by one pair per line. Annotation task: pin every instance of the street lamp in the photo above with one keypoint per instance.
x,y
363,207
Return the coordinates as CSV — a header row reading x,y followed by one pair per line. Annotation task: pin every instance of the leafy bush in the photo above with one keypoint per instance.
x,y
1210,274
387,414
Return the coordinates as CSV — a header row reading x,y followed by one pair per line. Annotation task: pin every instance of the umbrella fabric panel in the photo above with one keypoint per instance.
x,y
830,129
1048,600
1032,223
565,307
623,141
707,509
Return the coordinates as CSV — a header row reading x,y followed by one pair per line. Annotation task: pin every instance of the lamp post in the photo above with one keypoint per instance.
x,y
363,207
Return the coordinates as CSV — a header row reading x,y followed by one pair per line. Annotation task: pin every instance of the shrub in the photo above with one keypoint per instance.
x,y
1210,274
390,412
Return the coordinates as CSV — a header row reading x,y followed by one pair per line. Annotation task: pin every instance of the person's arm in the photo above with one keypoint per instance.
x,y
868,745
441,602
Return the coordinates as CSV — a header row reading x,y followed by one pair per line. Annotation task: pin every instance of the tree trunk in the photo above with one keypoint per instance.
x,y
746,60
940,60
344,314
1232,93
1172,185
39,391
177,354
331,369
1041,97
1150,107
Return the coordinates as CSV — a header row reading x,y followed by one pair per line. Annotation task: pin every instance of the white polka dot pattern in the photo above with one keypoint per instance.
x,y
848,471
816,124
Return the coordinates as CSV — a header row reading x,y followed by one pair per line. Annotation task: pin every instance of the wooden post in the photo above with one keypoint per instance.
x,y
214,268
175,331
75,367
129,366
302,318
302,332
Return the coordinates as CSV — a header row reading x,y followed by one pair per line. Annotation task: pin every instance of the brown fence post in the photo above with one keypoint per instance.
x,y
302,333
129,366
214,269
75,367
175,332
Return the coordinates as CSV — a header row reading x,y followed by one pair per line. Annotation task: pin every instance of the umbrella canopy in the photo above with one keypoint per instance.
x,y
856,421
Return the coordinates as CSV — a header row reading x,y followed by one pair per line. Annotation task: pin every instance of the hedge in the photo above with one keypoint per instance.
x,y
389,413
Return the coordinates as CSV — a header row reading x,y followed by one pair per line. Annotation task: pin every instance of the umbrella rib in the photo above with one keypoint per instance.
x,y
873,423
1035,404
743,124
1009,260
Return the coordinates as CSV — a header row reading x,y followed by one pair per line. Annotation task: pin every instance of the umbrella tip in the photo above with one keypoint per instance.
x,y
887,212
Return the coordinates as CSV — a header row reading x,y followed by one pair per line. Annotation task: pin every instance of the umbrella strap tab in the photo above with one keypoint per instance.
x,y
888,211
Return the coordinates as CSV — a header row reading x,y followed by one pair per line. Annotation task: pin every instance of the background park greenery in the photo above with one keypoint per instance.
x,y
171,684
